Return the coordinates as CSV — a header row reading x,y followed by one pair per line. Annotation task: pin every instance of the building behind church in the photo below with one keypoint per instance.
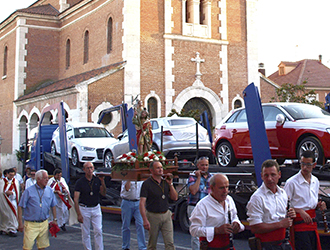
x,y
94,54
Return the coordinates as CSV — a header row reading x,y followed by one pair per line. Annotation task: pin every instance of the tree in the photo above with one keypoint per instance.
x,y
195,113
296,93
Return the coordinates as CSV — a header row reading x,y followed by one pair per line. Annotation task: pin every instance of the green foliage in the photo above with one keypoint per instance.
x,y
194,113
19,155
296,93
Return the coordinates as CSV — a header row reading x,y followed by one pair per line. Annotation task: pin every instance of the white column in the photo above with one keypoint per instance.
x,y
131,49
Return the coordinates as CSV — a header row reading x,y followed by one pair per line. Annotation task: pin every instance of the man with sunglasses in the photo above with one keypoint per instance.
x,y
199,187
302,190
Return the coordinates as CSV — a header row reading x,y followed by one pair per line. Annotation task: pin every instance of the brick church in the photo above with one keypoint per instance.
x,y
94,54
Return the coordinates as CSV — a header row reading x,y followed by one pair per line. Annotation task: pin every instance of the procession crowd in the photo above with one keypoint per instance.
x,y
279,218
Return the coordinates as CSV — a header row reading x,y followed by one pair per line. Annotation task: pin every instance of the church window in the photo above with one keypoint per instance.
x,y
237,104
86,46
5,59
109,36
152,107
67,52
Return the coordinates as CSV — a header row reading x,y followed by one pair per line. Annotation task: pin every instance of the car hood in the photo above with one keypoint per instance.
x,y
100,142
315,123
186,133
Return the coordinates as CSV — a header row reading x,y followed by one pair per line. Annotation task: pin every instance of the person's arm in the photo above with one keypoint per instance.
x,y
76,206
20,219
54,215
194,188
142,206
173,194
103,188
127,185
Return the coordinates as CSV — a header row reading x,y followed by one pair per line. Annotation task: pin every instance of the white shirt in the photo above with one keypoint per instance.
x,y
208,214
30,182
266,207
302,194
133,193
19,178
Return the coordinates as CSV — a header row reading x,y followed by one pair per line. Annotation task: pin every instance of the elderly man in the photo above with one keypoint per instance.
x,y
154,206
62,194
199,187
87,204
214,218
267,210
9,193
36,202
303,189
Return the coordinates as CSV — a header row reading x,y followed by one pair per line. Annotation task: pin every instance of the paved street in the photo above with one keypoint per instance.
x,y
71,239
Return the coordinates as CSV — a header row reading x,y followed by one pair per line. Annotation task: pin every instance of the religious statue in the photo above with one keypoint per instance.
x,y
143,128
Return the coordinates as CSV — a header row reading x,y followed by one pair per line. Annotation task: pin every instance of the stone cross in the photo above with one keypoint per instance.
x,y
198,61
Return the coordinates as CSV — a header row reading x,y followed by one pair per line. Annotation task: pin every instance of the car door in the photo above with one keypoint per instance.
x,y
122,146
239,135
279,135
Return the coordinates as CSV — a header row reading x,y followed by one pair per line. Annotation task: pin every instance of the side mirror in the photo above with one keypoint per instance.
x,y
280,119
70,137
120,136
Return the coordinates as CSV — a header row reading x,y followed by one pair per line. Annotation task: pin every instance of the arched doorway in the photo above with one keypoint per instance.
x,y
22,129
197,106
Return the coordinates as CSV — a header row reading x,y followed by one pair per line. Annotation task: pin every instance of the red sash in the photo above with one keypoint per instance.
x,y
12,186
303,227
219,240
62,197
276,235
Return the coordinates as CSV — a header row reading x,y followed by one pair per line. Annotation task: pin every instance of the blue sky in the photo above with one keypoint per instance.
x,y
289,30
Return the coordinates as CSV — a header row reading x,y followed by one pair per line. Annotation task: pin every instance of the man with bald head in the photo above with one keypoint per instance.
x,y
215,216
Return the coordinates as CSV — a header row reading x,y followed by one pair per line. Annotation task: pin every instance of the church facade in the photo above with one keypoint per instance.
x,y
94,54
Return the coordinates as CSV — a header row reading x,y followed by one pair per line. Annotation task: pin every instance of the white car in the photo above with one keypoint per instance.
x,y
86,142
115,149
179,136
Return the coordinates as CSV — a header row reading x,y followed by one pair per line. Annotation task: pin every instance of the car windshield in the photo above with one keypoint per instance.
x,y
301,111
181,122
90,132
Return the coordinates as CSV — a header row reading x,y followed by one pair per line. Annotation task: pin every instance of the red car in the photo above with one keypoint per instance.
x,y
291,129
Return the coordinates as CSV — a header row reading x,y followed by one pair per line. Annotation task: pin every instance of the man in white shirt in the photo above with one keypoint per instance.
x,y
267,210
130,194
214,218
32,180
62,194
303,189
19,178
9,193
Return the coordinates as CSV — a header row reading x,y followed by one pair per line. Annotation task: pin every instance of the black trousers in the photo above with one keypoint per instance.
x,y
305,240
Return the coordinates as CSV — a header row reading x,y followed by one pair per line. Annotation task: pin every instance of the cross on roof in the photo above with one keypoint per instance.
x,y
198,61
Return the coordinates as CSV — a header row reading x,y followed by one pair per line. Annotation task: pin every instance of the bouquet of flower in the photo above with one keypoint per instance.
x,y
127,161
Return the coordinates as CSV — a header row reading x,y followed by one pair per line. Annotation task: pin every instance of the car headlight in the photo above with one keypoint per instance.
x,y
87,149
328,130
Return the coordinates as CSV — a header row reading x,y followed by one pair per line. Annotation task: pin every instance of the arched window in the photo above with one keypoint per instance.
x,y
86,44
152,107
237,104
68,49
109,36
5,59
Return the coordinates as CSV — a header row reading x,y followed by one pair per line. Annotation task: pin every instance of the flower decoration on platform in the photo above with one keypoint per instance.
x,y
127,161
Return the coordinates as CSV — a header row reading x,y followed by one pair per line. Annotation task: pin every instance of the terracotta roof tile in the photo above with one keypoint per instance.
x,y
70,82
47,9
313,71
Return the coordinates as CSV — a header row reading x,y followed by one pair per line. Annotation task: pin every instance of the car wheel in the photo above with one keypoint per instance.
x,y
108,157
183,218
53,149
154,147
75,158
225,155
312,144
